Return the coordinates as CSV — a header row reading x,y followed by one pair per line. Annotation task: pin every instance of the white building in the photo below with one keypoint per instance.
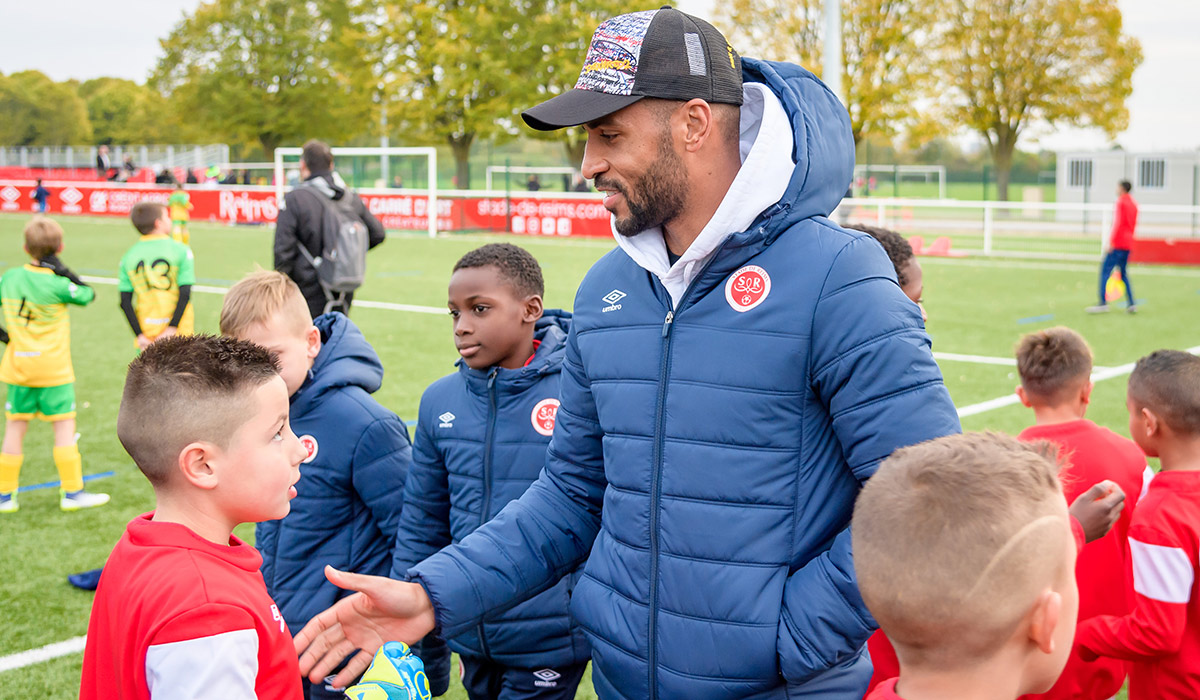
x,y
1157,178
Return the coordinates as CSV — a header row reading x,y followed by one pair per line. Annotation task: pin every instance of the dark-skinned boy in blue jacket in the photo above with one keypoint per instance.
x,y
481,441
351,484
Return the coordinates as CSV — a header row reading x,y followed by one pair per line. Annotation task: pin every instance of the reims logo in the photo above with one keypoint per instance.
x,y
543,416
747,288
310,444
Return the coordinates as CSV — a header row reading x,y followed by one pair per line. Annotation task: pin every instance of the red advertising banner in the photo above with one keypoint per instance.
x,y
534,215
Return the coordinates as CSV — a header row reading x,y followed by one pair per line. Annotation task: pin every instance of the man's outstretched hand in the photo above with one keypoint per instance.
x,y
1098,508
383,610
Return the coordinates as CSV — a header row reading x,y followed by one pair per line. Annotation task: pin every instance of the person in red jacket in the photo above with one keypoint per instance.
x,y
1055,365
182,610
1161,636
1119,245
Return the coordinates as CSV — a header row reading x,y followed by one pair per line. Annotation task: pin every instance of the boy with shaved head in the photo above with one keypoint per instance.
x,y
1161,636
181,610
964,555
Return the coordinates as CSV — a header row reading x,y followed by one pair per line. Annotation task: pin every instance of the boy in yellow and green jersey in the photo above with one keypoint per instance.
x,y
37,364
156,278
180,206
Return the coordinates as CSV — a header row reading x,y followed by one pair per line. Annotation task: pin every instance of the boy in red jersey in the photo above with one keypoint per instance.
x,y
182,610
964,552
1055,366
1161,636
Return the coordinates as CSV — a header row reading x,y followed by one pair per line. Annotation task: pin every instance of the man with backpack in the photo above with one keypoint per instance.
x,y
323,233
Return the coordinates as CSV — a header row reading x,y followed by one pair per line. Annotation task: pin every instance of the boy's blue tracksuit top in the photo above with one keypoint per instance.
x,y
707,453
480,442
349,496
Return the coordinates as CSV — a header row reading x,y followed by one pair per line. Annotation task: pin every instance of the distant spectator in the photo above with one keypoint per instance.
x,y
245,177
230,178
579,184
40,195
191,177
397,182
212,175
533,184
103,163
164,177
1120,242
128,166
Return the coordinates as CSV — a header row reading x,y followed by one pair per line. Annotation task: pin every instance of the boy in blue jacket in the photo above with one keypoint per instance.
x,y
481,441
351,484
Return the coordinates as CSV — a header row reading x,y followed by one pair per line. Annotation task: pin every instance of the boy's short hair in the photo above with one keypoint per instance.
x,y
145,214
1168,383
186,389
898,249
1126,185
258,297
317,156
515,264
1053,362
43,236
952,543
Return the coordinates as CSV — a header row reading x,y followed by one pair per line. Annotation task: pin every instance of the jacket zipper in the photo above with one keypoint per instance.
x,y
656,488
485,507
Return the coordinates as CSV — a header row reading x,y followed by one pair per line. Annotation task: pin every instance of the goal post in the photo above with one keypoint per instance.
x,y
383,153
898,171
525,170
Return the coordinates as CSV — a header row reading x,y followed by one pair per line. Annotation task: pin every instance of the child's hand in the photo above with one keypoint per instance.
x,y
1098,508
143,342
168,332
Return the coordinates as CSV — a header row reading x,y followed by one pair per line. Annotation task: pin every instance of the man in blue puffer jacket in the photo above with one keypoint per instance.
x,y
734,372
350,492
480,442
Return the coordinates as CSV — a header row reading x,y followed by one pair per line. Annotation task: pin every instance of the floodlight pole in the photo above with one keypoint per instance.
x,y
831,58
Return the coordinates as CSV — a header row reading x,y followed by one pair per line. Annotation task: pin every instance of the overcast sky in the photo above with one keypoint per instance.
x,y
91,38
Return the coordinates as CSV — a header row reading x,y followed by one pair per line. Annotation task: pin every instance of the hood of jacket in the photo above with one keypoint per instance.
x,y
551,333
328,183
346,359
797,161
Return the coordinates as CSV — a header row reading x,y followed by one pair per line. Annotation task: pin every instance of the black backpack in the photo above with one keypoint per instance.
x,y
342,265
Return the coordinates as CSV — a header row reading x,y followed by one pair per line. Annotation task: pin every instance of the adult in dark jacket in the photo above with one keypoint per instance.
x,y
300,224
734,372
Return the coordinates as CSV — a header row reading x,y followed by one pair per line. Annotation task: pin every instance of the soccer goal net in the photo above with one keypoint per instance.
x,y
503,175
903,173
371,167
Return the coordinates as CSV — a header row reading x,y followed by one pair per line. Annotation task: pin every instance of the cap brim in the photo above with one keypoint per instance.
x,y
575,107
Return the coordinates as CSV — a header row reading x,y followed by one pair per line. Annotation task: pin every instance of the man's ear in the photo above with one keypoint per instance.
x,y
699,122
1044,619
533,309
195,464
1023,397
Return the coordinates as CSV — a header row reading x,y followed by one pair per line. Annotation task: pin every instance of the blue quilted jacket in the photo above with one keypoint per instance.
x,y
707,455
348,499
481,441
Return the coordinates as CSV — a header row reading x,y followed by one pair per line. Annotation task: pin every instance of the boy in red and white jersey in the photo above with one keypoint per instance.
x,y
181,610
1055,366
1161,636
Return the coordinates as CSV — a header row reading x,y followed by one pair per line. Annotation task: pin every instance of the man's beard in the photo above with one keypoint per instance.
x,y
661,192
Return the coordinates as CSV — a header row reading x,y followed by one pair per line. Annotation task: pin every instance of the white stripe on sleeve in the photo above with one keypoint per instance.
x,y
1161,573
1147,477
221,667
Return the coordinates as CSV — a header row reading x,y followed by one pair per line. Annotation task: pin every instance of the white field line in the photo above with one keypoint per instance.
x,y
36,656
1098,375
357,302
976,359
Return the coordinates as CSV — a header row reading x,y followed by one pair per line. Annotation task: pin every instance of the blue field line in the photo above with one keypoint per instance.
x,y
56,484
410,423
1036,319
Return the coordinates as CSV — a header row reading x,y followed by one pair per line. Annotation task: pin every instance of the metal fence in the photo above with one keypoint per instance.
x,y
166,156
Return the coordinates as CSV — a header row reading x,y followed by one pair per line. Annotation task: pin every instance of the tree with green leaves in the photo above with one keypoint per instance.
x,y
883,47
40,112
462,71
270,71
123,112
1006,64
